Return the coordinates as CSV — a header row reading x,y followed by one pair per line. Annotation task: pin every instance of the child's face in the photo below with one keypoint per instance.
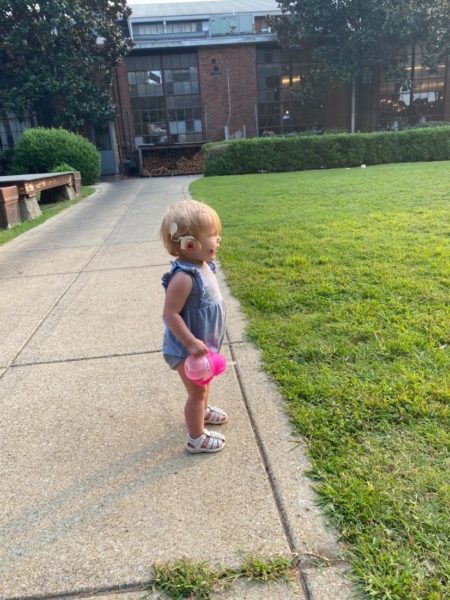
x,y
207,245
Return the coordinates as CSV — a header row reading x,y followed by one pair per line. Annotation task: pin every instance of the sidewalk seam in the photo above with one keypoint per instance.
x,y
267,467
99,270
87,592
69,286
84,358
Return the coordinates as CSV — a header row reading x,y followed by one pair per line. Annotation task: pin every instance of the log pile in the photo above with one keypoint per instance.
x,y
172,161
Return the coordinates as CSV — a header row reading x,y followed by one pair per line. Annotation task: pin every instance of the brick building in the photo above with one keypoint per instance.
x,y
211,70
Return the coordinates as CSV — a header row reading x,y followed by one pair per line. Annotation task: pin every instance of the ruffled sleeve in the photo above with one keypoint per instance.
x,y
165,279
193,271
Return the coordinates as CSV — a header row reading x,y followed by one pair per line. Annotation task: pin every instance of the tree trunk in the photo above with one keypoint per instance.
x,y
45,114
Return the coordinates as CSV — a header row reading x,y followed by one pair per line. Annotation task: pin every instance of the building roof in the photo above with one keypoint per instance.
x,y
202,7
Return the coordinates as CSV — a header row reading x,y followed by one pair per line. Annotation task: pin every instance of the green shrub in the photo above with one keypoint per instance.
x,y
62,168
39,150
298,153
427,124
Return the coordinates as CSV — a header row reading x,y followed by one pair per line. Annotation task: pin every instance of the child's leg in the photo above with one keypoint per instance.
x,y
199,439
196,404
214,415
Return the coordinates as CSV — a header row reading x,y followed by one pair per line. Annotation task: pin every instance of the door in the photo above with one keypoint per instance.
x,y
103,142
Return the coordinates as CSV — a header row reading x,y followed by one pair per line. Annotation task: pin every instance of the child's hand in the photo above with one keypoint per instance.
x,y
198,348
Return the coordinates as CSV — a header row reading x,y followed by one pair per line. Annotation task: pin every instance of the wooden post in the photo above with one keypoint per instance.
x,y
9,207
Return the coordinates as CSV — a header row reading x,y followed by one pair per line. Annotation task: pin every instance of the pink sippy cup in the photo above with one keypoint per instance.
x,y
202,369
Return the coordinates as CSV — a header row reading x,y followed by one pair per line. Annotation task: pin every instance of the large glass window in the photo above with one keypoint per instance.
x,y
279,80
145,83
165,99
182,97
417,97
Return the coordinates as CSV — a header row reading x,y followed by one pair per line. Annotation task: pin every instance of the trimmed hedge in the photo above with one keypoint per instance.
x,y
298,153
39,149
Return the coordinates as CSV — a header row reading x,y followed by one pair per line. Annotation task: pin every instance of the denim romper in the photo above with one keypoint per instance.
x,y
204,311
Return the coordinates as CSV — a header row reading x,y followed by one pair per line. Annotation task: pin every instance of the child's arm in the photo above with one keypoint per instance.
x,y
177,293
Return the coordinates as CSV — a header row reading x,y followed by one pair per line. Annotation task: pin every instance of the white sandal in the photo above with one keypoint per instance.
x,y
213,433
215,416
215,443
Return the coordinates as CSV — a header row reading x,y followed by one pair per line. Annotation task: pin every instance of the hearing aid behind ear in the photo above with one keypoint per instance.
x,y
183,239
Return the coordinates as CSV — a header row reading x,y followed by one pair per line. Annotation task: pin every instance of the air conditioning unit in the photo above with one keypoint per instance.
x,y
230,24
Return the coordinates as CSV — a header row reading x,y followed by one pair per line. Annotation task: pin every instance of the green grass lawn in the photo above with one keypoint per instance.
x,y
48,211
344,275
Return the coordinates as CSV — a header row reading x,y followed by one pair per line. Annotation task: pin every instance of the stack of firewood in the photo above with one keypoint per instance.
x,y
172,161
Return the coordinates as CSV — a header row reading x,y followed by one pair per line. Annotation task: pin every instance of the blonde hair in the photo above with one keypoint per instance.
x,y
191,218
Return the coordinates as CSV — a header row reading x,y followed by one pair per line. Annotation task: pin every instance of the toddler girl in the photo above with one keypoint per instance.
x,y
194,310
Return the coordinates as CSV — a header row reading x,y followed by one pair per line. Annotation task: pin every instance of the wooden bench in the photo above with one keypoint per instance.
x,y
53,187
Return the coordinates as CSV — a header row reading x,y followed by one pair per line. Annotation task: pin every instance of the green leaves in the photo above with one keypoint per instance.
x,y
52,63
347,38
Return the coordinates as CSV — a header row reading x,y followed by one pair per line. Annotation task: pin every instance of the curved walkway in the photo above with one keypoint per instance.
x,y
95,483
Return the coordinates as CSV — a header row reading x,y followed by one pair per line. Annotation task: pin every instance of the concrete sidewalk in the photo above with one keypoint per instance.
x,y
95,483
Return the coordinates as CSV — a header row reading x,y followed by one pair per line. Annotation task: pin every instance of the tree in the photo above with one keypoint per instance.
x,y
348,40
57,58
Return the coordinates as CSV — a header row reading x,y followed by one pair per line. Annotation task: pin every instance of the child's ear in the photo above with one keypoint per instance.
x,y
187,241
189,246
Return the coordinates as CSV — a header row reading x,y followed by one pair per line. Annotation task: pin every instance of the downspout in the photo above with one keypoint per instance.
x,y
353,108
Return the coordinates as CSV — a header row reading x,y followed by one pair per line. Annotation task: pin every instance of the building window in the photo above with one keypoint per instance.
x,y
165,99
416,98
169,28
11,129
186,26
147,29
183,97
145,83
261,25
279,80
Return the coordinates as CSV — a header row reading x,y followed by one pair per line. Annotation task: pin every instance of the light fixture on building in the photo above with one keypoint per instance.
x,y
215,68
